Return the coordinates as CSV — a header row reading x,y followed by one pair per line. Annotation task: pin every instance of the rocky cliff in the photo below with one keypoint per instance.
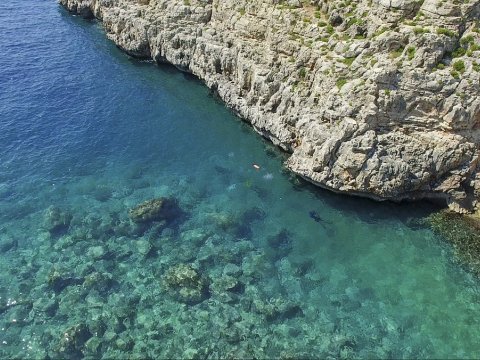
x,y
378,98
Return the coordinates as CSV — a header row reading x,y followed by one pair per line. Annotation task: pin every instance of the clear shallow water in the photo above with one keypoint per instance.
x,y
87,133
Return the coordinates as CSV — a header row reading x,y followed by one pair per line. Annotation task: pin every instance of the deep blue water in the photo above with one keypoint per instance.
x,y
87,133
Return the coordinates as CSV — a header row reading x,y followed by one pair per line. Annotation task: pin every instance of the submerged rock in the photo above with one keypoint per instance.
x,y
102,282
102,193
143,247
56,221
249,217
93,348
281,244
155,210
223,220
47,306
252,215
7,243
232,270
96,252
58,281
72,341
226,287
186,284
277,309
194,237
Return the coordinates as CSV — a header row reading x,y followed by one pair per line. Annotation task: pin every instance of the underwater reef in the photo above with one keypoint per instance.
x,y
133,280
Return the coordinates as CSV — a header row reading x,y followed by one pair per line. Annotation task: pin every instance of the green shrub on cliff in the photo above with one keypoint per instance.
x,y
459,66
302,73
419,30
467,40
446,32
411,52
341,82
396,53
458,52
349,60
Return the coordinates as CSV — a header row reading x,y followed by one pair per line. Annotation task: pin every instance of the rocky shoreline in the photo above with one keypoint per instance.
x,y
377,99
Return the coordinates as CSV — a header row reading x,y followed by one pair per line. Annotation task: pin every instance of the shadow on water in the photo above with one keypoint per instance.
x,y
244,226
367,210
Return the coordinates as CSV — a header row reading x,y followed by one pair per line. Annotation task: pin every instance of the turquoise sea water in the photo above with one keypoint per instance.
x,y
87,133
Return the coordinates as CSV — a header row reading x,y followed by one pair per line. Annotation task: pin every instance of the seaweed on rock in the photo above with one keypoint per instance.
x,y
463,232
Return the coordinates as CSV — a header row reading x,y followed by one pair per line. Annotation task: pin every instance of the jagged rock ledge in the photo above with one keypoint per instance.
x,y
378,98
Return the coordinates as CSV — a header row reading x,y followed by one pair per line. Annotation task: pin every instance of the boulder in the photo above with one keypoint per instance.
x,y
186,284
56,221
160,209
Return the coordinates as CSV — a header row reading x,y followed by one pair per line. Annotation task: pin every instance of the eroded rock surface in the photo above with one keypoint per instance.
x,y
373,98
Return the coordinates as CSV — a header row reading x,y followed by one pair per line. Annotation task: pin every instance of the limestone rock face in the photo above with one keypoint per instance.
x,y
374,98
